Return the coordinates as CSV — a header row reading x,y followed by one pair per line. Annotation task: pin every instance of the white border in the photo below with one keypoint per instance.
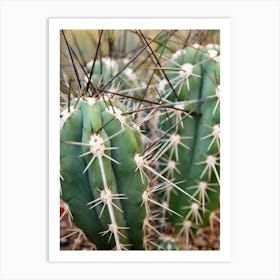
x,y
255,140
223,255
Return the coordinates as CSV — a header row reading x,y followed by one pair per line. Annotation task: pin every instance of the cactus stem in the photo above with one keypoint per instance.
x,y
109,204
97,148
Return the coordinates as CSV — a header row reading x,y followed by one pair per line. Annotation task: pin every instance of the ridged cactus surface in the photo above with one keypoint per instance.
x,y
99,180
140,138
195,140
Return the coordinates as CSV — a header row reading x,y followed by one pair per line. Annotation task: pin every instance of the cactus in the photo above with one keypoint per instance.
x,y
140,139
192,147
100,183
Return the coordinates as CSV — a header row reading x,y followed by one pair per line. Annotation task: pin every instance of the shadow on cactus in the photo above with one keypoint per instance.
x,y
140,138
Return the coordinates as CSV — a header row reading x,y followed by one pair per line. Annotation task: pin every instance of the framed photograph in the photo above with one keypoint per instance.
x,y
144,147
139,140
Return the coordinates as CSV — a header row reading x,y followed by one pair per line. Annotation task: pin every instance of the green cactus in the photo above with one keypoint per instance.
x,y
191,149
100,182
140,139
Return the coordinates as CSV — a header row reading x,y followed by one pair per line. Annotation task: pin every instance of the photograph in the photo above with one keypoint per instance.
x,y
140,139
120,158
